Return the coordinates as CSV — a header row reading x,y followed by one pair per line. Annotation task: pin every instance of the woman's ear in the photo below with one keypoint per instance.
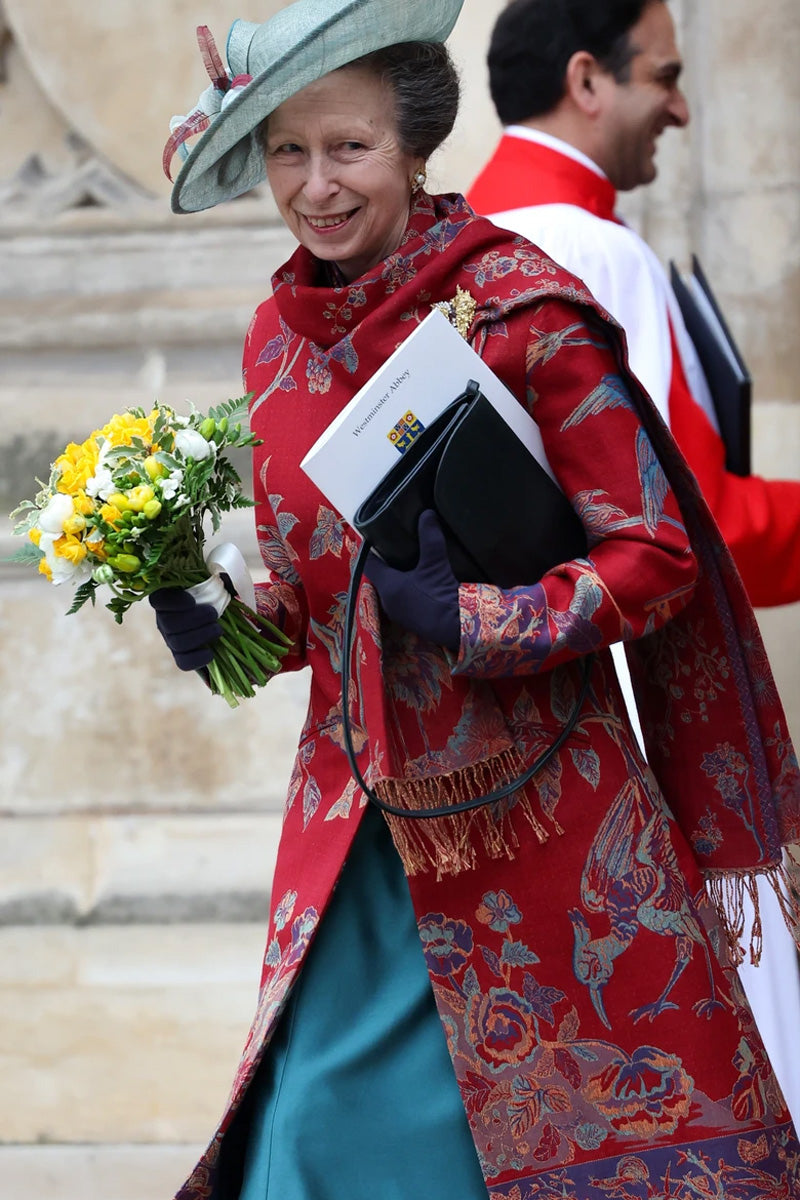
x,y
581,81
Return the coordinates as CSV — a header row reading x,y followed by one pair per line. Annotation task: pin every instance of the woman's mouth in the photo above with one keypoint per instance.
x,y
329,223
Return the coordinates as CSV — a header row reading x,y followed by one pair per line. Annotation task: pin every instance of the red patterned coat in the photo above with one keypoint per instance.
x,y
598,1034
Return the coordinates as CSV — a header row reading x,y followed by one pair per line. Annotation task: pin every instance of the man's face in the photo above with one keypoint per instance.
x,y
635,113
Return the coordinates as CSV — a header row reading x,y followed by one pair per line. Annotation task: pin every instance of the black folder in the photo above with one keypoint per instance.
x,y
726,373
505,521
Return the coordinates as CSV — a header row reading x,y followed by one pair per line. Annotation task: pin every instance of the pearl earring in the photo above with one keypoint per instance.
x,y
419,180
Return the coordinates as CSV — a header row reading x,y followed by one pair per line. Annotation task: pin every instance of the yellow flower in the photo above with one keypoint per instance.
x,y
124,427
110,513
44,569
119,501
137,497
77,465
70,548
83,503
35,535
154,469
75,524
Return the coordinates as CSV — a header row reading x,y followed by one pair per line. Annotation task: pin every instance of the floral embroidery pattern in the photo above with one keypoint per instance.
x,y
575,1093
540,1094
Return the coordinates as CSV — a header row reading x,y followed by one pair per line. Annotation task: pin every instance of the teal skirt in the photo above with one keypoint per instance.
x,y
356,1097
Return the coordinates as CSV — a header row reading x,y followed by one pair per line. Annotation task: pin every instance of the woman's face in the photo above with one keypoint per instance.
x,y
340,180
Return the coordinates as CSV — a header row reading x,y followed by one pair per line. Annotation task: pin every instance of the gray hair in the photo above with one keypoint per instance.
x,y
426,90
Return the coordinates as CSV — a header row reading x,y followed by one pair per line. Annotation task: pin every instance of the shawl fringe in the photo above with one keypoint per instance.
x,y
450,844
728,891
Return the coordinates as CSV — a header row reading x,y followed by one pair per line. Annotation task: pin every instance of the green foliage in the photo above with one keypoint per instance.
x,y
234,410
85,592
26,554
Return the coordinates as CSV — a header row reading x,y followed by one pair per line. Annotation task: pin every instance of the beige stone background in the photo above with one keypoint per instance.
x,y
138,816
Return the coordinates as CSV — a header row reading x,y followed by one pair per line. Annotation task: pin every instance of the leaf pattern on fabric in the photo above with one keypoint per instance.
x,y
587,764
328,537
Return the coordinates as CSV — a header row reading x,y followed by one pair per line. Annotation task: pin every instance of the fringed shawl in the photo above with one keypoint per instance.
x,y
734,738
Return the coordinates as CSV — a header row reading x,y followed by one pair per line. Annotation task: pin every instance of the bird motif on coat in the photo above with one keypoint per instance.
x,y
546,346
632,876
655,488
610,393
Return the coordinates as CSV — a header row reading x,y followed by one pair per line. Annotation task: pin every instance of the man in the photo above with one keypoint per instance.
x,y
584,89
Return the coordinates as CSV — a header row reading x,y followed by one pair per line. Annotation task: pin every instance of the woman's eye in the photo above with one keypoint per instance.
x,y
353,146
286,148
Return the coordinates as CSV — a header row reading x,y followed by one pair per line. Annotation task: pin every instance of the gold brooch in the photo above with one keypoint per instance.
x,y
460,311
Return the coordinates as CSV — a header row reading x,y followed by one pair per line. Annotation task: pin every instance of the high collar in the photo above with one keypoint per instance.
x,y
529,169
325,314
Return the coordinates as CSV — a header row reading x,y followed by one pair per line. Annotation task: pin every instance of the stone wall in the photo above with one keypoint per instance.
x,y
139,817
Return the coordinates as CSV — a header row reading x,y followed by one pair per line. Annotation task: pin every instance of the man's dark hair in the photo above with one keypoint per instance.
x,y
533,41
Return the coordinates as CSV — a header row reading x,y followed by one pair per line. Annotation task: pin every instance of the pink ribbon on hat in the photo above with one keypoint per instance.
x,y
211,103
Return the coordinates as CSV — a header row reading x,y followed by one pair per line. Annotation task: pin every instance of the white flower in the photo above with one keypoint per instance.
x,y
191,444
63,571
101,484
170,485
59,509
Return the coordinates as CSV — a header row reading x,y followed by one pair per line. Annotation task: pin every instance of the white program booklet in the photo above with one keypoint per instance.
x,y
425,373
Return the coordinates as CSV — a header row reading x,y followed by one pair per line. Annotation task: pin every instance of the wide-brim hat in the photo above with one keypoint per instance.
x,y
295,47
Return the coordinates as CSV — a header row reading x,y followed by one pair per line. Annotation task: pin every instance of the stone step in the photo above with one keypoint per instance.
x,y
97,719
79,870
94,1172
122,1034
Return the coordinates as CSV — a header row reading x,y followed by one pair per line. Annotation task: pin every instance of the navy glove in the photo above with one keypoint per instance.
x,y
188,628
424,599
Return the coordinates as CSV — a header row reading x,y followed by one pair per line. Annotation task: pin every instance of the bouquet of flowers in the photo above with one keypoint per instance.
x,y
126,510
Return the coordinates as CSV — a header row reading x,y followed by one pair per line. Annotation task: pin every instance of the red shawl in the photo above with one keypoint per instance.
x,y
735,736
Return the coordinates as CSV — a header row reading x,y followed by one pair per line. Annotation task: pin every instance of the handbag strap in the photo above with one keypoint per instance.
x,y
446,810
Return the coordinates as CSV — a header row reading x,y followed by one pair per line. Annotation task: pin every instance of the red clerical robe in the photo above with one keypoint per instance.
x,y
544,190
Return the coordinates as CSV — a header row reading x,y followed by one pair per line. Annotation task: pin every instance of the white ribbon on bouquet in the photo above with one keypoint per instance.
x,y
225,559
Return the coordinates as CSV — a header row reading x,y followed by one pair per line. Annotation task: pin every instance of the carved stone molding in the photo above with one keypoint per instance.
x,y
90,183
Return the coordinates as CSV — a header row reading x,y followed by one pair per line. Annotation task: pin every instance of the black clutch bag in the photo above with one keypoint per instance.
x,y
506,522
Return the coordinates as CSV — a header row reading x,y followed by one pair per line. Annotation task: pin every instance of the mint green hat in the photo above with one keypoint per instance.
x,y
269,63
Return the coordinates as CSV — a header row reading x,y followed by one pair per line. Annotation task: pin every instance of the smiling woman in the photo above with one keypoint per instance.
x,y
344,155
452,1006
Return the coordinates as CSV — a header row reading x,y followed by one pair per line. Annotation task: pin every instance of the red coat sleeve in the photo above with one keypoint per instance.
x,y
640,568
759,518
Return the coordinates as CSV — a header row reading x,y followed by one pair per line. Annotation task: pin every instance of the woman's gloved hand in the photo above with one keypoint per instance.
x,y
188,628
424,599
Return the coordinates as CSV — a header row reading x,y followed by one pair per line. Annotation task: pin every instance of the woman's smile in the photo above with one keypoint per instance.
x,y
333,222
340,178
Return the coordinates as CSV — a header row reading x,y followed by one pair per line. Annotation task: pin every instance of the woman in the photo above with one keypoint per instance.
x,y
533,1001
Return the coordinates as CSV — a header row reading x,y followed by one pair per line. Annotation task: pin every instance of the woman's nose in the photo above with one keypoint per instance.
x,y
320,183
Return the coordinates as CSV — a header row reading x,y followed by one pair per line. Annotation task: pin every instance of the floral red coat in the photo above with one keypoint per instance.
x,y
598,1034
